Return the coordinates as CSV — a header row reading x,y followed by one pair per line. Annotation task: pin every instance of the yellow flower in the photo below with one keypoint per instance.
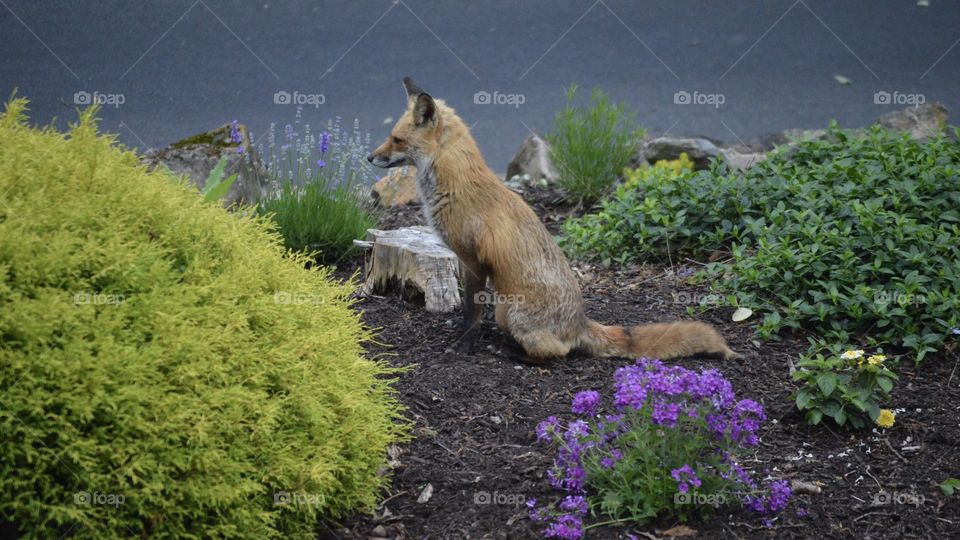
x,y
886,418
852,355
876,359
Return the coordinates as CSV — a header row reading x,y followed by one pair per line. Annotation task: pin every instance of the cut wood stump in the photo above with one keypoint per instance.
x,y
414,262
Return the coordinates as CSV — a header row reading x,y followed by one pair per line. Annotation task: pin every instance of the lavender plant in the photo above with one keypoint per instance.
x,y
670,449
319,186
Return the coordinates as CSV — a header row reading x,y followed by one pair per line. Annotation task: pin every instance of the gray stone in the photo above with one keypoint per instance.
x,y
766,143
922,122
196,156
699,150
532,162
742,160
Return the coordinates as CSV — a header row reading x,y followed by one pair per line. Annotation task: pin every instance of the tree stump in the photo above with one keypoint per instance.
x,y
414,262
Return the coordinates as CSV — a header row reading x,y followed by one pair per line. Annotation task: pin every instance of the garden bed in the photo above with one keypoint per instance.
x,y
475,417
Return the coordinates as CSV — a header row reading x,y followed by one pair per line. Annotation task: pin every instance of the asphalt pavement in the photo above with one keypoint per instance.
x,y
725,69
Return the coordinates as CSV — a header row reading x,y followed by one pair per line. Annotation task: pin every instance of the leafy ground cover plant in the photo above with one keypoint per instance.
x,y
852,235
319,198
670,448
592,144
847,388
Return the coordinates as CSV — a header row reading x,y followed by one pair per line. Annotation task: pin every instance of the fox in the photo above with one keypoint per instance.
x,y
495,234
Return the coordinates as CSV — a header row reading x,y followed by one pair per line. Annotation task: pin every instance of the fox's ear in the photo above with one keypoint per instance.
x,y
412,89
424,110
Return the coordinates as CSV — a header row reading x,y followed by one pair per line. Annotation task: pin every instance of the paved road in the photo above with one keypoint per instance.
x,y
183,66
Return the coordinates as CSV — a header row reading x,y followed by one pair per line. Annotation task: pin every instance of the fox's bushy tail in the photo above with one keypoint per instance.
x,y
658,340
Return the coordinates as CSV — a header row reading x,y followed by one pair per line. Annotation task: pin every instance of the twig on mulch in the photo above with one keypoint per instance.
x,y
894,450
874,513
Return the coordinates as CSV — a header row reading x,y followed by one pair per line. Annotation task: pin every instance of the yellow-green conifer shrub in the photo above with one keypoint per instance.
x,y
166,369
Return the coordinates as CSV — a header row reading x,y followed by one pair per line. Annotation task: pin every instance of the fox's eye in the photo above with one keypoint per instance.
x,y
397,141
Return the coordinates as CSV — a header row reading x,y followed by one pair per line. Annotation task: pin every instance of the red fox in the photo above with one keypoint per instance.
x,y
496,234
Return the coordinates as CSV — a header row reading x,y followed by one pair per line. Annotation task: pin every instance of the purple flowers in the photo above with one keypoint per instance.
x,y
235,136
665,414
685,477
775,501
670,423
586,403
324,142
566,526
546,429
324,146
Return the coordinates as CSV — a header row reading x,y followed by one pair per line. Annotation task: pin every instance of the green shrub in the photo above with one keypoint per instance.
x,y
317,200
847,387
592,145
167,369
848,236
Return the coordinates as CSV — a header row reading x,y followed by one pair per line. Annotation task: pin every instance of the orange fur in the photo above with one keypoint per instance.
x,y
497,235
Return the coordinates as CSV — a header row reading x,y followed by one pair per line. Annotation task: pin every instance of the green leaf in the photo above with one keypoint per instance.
x,y
949,486
216,187
219,189
815,416
885,384
827,381
803,399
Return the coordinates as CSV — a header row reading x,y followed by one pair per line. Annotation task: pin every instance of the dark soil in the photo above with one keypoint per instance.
x,y
475,416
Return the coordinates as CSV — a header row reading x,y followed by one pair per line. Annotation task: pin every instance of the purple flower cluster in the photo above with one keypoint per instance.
x,y
586,403
324,146
775,501
685,477
655,400
673,390
235,136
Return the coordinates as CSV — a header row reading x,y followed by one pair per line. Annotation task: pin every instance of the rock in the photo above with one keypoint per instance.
x,y
699,150
921,122
397,189
533,160
742,160
414,262
196,156
426,494
766,143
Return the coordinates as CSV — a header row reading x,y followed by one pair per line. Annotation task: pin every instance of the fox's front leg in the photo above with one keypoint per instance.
x,y
475,283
